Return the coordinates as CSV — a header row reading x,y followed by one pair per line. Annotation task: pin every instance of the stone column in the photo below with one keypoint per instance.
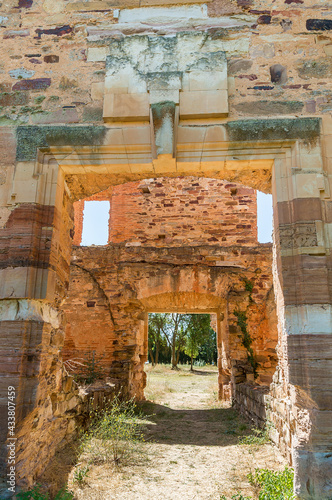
x,y
35,242
224,369
302,211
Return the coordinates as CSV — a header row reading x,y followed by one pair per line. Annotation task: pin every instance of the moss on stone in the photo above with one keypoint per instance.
x,y
30,138
274,129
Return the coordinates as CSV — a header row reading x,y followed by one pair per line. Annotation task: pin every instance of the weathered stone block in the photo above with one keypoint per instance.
x,y
126,107
203,104
265,107
278,74
92,114
238,66
37,84
14,98
16,33
51,59
199,80
64,115
319,24
97,91
60,31
96,54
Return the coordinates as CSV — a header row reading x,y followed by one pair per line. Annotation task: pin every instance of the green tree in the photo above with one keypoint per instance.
x,y
157,322
175,334
208,351
189,333
198,332
167,330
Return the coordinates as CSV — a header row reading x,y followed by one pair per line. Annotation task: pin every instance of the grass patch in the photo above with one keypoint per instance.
x,y
273,485
269,485
257,438
114,434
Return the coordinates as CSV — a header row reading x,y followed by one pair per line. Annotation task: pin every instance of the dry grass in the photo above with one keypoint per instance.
x,y
192,450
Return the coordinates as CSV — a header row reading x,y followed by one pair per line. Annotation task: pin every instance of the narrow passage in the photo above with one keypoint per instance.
x,y
192,450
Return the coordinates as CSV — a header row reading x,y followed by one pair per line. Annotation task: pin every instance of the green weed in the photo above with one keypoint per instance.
x,y
273,485
36,493
257,438
246,339
80,475
114,434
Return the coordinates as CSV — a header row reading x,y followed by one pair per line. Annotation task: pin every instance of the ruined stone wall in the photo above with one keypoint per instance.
x,y
66,104
177,212
53,69
112,288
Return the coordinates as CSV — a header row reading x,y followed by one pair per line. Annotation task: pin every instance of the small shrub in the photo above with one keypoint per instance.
x,y
115,432
273,485
246,339
36,493
88,369
257,438
64,494
80,475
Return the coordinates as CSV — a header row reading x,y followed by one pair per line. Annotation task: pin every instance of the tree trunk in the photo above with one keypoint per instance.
x,y
191,367
151,355
157,352
173,356
174,338
177,357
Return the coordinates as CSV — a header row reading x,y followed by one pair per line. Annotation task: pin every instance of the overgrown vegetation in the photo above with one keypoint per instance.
x,y
246,338
269,485
248,286
87,369
257,438
80,474
273,485
114,434
36,493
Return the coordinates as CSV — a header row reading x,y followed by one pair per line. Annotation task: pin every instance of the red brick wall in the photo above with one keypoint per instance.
x,y
177,212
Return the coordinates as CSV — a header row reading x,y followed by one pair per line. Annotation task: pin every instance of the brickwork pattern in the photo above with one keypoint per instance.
x,y
177,212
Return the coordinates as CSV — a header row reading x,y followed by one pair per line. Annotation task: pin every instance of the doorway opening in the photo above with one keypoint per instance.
x,y
180,345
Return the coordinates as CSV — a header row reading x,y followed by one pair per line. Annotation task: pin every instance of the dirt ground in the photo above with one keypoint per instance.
x,y
192,448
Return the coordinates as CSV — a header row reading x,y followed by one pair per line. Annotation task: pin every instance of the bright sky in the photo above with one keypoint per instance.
x,y
264,217
95,223
96,215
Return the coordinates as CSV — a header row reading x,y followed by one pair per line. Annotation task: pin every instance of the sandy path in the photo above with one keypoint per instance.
x,y
193,450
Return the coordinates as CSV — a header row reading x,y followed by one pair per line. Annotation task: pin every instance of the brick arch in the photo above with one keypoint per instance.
x,y
183,302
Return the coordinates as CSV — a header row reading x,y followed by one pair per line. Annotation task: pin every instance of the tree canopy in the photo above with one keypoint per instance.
x,y
175,338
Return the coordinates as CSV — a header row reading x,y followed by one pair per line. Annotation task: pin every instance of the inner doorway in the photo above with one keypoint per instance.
x,y
181,346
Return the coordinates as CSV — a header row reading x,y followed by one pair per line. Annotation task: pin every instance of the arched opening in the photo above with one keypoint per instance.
x,y
87,171
183,244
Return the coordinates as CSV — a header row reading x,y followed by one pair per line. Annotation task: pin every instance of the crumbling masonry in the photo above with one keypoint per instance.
x,y
98,94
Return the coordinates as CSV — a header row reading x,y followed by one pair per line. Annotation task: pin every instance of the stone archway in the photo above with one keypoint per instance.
x,y
90,161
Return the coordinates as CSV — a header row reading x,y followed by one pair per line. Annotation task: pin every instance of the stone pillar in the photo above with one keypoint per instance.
x,y
302,224
35,243
224,369
78,222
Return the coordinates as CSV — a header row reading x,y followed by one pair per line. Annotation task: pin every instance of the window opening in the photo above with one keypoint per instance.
x,y
95,223
264,217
